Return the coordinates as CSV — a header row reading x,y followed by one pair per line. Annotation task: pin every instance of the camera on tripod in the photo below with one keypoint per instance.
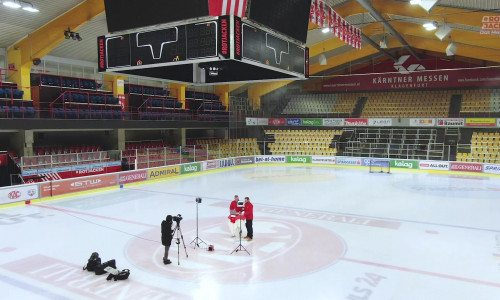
x,y
240,203
198,200
177,218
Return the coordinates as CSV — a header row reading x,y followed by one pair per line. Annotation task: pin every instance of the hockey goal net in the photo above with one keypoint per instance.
x,y
380,166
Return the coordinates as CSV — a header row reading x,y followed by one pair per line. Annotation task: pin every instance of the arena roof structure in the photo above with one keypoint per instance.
x,y
471,27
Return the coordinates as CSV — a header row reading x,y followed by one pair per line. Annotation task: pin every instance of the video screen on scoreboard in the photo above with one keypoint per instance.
x,y
290,17
129,14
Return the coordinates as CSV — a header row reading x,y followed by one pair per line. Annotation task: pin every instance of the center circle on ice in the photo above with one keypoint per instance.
x,y
280,249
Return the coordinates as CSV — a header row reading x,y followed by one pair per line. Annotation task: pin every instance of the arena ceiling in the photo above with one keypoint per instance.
x,y
399,22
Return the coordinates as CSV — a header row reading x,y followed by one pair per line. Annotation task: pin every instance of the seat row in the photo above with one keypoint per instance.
x,y
164,104
93,99
70,82
71,113
11,93
213,117
201,96
212,106
51,150
17,112
147,90
152,115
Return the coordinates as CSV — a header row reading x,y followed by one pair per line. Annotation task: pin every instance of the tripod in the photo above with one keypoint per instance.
x,y
197,241
240,246
177,230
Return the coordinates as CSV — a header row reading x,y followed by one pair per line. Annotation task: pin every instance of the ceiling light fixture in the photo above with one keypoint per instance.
x,y
430,26
27,6
11,4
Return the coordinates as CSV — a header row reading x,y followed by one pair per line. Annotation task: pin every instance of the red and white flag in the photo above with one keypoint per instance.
x,y
331,19
228,7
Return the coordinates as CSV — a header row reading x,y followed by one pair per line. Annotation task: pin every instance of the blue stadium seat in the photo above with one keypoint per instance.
x,y
16,112
4,111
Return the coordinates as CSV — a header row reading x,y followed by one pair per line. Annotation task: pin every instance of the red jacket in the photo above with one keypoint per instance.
x,y
234,206
249,211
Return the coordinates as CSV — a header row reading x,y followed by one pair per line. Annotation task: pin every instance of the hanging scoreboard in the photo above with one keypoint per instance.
x,y
222,50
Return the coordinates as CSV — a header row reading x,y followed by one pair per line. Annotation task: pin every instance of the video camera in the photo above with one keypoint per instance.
x,y
198,200
240,203
177,218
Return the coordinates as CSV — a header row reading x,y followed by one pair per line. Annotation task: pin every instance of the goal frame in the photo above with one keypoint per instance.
x,y
378,165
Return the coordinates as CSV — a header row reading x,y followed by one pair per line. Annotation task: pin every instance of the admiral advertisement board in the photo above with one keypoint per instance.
x,y
422,122
348,161
379,122
333,122
18,193
270,159
244,160
492,169
451,122
329,160
434,165
163,172
466,167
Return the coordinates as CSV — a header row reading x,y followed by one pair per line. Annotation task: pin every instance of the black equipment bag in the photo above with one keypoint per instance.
x,y
122,275
100,269
93,262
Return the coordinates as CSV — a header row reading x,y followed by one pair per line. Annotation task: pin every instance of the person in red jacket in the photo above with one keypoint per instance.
x,y
233,207
249,218
234,215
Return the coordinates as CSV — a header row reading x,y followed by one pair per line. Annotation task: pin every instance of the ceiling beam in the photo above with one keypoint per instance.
x,y
43,40
368,6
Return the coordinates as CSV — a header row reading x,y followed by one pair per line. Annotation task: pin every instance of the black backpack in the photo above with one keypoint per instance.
x,y
93,263
100,269
122,275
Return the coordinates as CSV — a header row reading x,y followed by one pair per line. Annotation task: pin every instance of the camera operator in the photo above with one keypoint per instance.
x,y
166,237
249,219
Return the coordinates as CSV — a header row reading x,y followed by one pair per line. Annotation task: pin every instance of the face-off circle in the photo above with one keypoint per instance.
x,y
280,249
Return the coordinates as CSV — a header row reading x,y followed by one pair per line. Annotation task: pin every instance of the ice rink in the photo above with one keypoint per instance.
x,y
319,233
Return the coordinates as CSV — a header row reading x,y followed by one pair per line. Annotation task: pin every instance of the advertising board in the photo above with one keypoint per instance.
x,y
61,187
434,165
466,167
270,159
163,172
18,193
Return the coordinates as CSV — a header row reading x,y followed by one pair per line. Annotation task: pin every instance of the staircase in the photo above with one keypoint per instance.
x,y
455,105
358,109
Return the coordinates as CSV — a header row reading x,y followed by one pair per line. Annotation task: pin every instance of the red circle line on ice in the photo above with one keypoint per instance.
x,y
280,249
